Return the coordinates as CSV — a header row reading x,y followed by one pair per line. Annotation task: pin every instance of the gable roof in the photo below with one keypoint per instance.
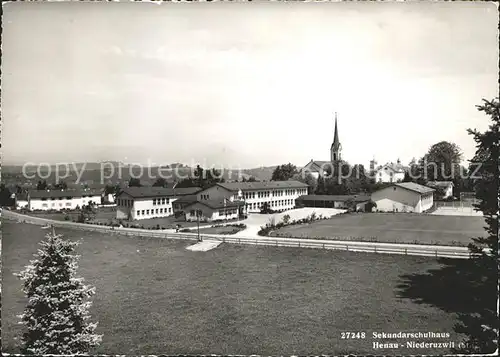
x,y
35,194
218,204
261,185
187,199
150,191
316,166
336,198
415,187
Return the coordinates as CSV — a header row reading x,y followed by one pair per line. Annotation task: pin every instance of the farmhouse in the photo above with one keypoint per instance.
x,y
62,199
390,172
149,202
444,189
213,210
357,202
404,197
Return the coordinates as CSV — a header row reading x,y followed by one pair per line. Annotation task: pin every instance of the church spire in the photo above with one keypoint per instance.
x,y
336,147
336,141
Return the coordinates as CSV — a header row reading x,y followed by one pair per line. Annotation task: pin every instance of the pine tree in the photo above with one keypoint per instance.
x,y
481,327
56,317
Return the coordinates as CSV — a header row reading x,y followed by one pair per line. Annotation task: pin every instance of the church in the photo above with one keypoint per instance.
x,y
321,168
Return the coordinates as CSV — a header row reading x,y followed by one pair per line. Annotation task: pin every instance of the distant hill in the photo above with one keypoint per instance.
x,y
263,173
115,172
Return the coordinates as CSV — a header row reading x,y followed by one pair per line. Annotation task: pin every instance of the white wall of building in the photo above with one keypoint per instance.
x,y
402,200
426,202
396,198
143,208
279,199
389,175
62,203
22,204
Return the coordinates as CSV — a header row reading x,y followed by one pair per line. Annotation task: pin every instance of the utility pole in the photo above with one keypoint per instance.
x,y
198,221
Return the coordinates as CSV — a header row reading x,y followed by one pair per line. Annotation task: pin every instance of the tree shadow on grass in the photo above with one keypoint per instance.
x,y
448,288
453,288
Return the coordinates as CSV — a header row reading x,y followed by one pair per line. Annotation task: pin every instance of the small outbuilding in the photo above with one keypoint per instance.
x,y
357,202
404,197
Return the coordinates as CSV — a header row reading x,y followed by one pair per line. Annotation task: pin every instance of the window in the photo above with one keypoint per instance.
x,y
143,212
138,213
157,211
161,210
192,213
68,204
147,211
169,210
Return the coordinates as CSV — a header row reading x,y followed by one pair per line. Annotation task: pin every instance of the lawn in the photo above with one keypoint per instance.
x,y
391,228
154,296
218,230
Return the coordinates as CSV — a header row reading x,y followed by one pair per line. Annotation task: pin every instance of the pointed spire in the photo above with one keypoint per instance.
x,y
336,140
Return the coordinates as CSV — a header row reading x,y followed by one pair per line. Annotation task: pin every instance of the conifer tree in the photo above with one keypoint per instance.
x,y
481,327
56,317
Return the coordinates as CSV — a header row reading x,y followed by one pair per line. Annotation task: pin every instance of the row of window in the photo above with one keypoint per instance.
x,y
124,203
147,212
280,203
45,205
160,201
278,193
227,212
204,197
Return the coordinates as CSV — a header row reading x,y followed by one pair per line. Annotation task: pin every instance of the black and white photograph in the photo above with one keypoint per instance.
x,y
250,178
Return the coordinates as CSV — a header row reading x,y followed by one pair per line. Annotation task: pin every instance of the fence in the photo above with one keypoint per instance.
x,y
367,247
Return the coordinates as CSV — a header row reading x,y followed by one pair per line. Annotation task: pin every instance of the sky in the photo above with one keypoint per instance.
x,y
243,84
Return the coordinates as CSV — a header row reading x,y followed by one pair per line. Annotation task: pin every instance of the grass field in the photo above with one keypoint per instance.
x,y
154,296
392,228
218,230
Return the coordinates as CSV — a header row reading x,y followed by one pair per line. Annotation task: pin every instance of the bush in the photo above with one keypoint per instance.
x,y
264,231
286,218
66,218
239,225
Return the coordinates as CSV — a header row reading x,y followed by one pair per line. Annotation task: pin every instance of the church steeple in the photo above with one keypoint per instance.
x,y
336,148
